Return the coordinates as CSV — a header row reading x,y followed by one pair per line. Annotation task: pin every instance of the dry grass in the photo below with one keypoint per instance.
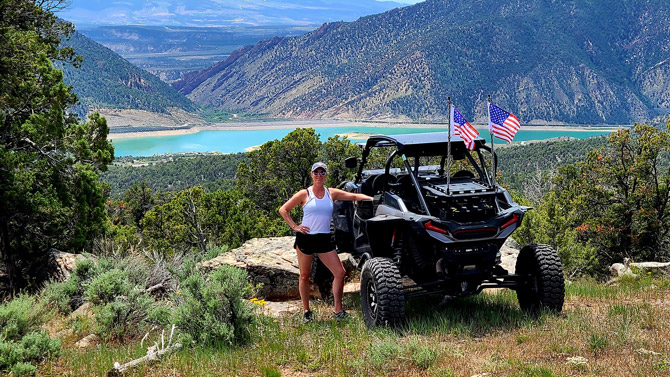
x,y
622,331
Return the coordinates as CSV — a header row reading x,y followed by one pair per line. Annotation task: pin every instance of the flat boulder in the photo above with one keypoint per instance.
x,y
272,263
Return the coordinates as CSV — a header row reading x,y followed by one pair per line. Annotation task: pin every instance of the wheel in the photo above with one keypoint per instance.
x,y
543,286
382,300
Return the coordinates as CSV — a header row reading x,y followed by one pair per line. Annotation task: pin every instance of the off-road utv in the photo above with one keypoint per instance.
x,y
441,224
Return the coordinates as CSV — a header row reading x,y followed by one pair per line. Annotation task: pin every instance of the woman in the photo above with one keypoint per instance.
x,y
313,235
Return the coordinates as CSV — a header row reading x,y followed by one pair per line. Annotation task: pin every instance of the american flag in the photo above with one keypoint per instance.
x,y
461,127
502,124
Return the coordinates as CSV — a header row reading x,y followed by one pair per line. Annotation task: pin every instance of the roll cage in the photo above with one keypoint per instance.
x,y
432,144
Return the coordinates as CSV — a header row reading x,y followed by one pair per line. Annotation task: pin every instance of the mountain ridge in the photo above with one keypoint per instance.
x,y
106,80
565,62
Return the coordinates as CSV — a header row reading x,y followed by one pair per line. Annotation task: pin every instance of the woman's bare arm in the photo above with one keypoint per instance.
x,y
337,194
300,197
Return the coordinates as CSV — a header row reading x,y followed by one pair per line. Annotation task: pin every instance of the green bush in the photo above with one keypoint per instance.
x,y
135,268
424,357
159,314
33,347
116,288
210,309
62,294
383,351
23,369
10,354
69,295
38,346
84,269
107,286
20,316
124,316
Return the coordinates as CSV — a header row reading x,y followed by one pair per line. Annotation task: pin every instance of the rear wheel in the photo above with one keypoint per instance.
x,y
382,300
543,286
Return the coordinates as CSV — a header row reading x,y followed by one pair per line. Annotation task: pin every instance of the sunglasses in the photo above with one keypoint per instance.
x,y
322,172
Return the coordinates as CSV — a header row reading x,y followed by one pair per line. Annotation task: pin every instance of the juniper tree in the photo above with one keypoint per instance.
x,y
50,193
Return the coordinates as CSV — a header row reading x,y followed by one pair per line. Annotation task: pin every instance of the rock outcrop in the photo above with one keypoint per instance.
x,y
273,263
62,264
509,252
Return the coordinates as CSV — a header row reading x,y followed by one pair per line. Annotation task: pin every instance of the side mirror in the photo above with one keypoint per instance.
x,y
351,162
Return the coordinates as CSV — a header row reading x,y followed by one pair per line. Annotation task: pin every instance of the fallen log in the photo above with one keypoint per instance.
x,y
154,288
119,370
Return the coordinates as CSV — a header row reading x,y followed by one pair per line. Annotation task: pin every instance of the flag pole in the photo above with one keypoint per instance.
x,y
493,156
449,145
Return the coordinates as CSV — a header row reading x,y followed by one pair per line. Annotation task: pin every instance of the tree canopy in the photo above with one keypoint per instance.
x,y
50,193
613,205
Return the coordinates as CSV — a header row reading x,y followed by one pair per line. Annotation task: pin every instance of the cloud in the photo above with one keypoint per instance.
x,y
220,12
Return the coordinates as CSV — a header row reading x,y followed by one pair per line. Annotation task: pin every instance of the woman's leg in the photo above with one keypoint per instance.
x,y
305,266
332,261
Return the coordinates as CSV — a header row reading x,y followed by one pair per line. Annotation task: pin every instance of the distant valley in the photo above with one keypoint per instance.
x,y
122,65
171,51
221,13
575,62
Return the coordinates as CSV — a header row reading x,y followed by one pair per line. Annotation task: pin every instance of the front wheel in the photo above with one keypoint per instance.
x,y
382,299
543,286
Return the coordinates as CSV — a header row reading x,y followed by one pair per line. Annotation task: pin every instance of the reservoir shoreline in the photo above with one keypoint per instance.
x,y
276,125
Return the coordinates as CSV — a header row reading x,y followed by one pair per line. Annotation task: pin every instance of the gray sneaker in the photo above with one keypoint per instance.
x,y
307,317
341,316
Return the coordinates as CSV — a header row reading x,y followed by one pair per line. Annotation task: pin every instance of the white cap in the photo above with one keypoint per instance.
x,y
318,165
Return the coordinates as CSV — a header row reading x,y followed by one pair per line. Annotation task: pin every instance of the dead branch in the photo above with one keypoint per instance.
x,y
154,288
119,370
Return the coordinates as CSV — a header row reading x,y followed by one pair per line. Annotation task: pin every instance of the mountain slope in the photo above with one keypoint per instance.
x,y
106,80
554,61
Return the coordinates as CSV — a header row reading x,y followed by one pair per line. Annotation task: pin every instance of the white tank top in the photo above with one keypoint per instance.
x,y
317,213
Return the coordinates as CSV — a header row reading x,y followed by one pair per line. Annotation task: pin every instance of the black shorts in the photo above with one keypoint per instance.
x,y
314,243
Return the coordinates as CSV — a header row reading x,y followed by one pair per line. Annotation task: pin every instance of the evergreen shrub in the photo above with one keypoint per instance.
x,y
210,309
23,369
20,316
18,356
69,295
21,341
38,345
124,315
105,287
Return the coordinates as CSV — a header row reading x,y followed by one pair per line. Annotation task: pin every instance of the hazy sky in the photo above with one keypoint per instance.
x,y
222,12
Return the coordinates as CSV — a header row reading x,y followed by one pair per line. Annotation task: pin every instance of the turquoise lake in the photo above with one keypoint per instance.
x,y
238,141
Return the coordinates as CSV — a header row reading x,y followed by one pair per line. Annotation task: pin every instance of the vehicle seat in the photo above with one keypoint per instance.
x,y
463,174
366,186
